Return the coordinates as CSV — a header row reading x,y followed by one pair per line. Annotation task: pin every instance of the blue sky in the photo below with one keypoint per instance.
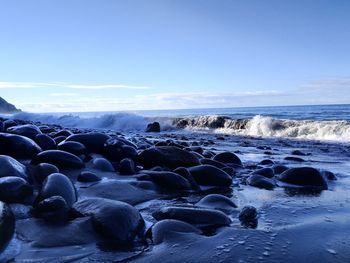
x,y
103,55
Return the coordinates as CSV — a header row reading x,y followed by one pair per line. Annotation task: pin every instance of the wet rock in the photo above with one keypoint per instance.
x,y
61,159
102,164
194,216
298,152
59,139
260,181
127,167
9,123
75,148
294,159
11,167
217,201
45,142
114,220
153,127
169,156
165,228
306,177
14,189
43,170
278,168
59,185
210,176
168,180
87,177
217,164
185,173
26,130
18,146
228,158
329,175
248,217
54,209
64,133
7,225
266,172
94,141
117,149
267,162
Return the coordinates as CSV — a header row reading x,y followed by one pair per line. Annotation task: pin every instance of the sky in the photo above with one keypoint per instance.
x,y
115,55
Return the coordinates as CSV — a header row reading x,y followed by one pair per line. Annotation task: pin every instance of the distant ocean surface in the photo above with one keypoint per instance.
x,y
317,122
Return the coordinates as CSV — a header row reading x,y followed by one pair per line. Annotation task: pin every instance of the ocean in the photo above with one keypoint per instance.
x,y
312,122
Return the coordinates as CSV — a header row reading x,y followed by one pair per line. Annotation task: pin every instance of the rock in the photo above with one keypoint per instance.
x,y
26,130
54,209
9,123
298,152
14,189
11,167
267,162
153,127
114,220
61,159
59,139
45,142
165,228
228,158
260,181
102,164
169,156
127,167
169,180
43,170
117,149
278,168
87,177
94,141
248,217
217,201
64,133
266,172
194,216
6,107
210,175
217,164
59,185
185,173
329,175
75,148
294,159
18,146
7,225
305,177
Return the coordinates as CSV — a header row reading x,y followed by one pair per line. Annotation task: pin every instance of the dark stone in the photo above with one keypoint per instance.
x,y
329,175
279,168
11,167
228,158
294,159
248,217
267,172
217,201
61,159
43,170
127,167
59,185
114,220
102,164
168,180
217,164
7,225
27,130
267,162
185,173
45,142
117,149
94,142
59,139
306,177
298,152
153,127
210,175
194,216
260,181
64,133
87,177
14,189
54,209
165,228
18,146
9,123
75,148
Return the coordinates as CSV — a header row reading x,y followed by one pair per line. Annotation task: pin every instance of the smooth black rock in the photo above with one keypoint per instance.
x,y
11,167
45,142
53,209
26,130
249,217
87,177
59,139
61,159
279,168
117,149
75,148
65,133
294,159
18,146
127,167
14,189
267,172
7,225
102,164
298,152
153,127
307,177
169,180
210,176
260,181
194,216
217,164
94,141
169,156
59,185
185,173
114,220
9,123
43,170
217,201
165,228
228,158
267,162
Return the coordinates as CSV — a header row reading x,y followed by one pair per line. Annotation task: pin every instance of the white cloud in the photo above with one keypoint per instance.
x,y
63,94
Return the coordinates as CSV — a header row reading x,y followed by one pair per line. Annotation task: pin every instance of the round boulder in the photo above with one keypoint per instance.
x,y
94,141
61,159
27,130
210,176
45,142
18,146
88,177
260,181
228,158
14,189
217,201
7,225
11,167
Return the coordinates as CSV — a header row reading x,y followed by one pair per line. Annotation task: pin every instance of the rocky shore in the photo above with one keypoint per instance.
x,y
74,195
